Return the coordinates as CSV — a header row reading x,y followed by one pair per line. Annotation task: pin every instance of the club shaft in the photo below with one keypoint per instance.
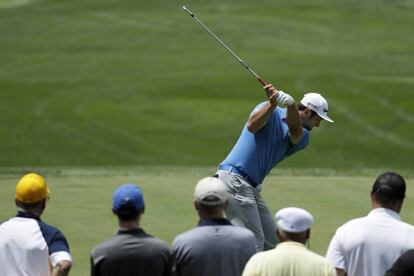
x,y
225,46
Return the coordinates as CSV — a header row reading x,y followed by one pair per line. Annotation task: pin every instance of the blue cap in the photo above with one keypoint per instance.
x,y
128,196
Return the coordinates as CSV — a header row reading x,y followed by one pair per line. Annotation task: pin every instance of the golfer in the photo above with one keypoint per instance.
x,y
275,130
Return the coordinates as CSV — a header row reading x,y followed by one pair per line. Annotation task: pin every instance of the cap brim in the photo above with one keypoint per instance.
x,y
326,118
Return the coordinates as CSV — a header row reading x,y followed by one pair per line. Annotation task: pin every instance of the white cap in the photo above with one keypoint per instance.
x,y
317,103
293,220
210,191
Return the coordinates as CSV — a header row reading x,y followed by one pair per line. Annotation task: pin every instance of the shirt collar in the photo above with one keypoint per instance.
x,y
384,212
290,244
131,231
21,214
213,222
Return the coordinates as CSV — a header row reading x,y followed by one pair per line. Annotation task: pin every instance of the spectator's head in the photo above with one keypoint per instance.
x,y
210,197
388,191
32,193
128,202
293,224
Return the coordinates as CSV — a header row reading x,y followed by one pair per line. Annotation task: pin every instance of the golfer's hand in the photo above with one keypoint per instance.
x,y
271,93
283,99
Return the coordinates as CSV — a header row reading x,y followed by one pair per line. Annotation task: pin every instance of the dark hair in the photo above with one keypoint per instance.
x,y
29,206
302,107
127,212
389,189
210,209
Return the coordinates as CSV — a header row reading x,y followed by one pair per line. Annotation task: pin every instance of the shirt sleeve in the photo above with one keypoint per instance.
x,y
335,254
57,244
176,258
59,249
304,141
258,107
167,254
251,247
60,256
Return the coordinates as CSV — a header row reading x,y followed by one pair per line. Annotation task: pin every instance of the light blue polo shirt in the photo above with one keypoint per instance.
x,y
257,153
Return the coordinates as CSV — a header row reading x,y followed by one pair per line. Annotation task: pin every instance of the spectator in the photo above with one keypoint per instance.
x,y
215,247
404,266
131,251
290,257
368,246
28,246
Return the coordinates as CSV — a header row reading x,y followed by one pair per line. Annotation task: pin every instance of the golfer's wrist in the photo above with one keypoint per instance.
x,y
272,104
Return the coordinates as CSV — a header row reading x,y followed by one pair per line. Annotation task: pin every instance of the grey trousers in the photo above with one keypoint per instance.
x,y
248,209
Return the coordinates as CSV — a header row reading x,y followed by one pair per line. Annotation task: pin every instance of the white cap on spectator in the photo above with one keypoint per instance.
x,y
210,191
293,220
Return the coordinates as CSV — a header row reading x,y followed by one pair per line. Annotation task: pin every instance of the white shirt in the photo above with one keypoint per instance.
x,y
368,246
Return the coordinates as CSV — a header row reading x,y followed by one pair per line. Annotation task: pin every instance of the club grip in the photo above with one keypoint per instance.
x,y
263,82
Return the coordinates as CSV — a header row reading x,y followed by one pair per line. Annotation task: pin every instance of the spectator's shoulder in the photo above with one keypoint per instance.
x,y
50,232
243,232
188,236
157,242
350,224
104,247
48,226
407,225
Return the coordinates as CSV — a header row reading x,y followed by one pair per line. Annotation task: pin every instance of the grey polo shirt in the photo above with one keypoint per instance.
x,y
131,252
215,247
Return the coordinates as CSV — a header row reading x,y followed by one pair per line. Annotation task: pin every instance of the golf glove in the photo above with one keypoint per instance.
x,y
283,99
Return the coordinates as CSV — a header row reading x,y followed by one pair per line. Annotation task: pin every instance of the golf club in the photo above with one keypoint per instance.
x,y
226,47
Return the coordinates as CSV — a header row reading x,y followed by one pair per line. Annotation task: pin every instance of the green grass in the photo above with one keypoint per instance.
x,y
97,83
81,201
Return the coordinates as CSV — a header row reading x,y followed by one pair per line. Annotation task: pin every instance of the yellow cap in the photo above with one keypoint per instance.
x,y
31,188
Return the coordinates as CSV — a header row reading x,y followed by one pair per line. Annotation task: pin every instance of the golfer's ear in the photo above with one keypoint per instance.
x,y
307,112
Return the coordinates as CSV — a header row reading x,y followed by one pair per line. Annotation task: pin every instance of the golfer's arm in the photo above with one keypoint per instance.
x,y
259,118
294,123
62,268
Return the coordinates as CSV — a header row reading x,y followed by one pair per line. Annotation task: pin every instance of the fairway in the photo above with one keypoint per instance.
x,y
115,83
99,93
80,204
